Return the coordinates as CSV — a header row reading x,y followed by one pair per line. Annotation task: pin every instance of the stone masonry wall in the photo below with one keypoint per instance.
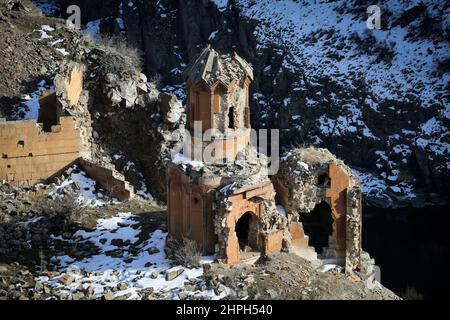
x,y
110,179
189,209
28,154
259,201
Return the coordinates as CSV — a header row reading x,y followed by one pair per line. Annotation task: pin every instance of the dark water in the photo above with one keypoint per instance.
x,y
412,248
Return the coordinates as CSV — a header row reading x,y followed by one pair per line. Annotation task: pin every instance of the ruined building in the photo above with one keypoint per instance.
x,y
33,151
229,205
322,200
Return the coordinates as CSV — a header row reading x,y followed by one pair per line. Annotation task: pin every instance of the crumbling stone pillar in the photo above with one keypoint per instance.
x,y
354,223
232,248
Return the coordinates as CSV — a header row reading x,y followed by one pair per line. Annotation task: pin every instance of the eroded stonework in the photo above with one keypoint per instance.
x,y
35,150
226,205
230,206
311,180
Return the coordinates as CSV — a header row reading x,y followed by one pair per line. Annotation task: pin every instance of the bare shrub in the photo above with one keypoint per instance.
x,y
67,207
118,45
411,294
185,252
87,38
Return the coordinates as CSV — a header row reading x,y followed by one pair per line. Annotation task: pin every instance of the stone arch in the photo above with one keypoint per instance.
x,y
235,252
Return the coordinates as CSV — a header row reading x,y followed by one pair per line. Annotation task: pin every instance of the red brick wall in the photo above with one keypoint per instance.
x,y
189,210
337,193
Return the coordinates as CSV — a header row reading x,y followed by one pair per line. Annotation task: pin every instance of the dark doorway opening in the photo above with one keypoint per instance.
x,y
247,232
242,229
50,110
324,180
318,226
231,118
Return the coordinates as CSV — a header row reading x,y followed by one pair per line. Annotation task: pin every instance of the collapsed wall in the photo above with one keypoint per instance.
x,y
109,178
35,150
317,189
73,100
207,203
266,226
30,154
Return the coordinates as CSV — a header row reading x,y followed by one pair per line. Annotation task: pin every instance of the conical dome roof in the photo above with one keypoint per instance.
x,y
212,68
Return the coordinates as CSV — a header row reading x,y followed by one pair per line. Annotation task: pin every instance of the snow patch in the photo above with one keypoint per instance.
x,y
93,29
89,196
144,269
63,51
221,4
48,7
29,107
213,35
43,31
281,210
180,158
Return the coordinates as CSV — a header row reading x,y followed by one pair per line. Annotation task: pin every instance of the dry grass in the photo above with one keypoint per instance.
x,y
411,294
185,252
67,207
156,79
118,45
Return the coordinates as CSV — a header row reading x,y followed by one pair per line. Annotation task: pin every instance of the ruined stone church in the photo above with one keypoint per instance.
x,y
230,206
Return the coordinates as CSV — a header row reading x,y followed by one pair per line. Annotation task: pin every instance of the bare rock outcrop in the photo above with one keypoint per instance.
x,y
133,121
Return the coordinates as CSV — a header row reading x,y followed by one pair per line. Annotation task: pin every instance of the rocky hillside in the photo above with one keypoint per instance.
x,y
69,238
377,98
117,101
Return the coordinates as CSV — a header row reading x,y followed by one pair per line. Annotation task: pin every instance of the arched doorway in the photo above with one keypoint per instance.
x,y
247,232
318,226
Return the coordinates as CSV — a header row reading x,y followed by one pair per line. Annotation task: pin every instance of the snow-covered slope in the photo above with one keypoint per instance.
x,y
114,270
299,26
384,88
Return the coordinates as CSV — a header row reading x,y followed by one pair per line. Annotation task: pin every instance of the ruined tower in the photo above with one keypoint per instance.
x,y
218,100
219,192
222,203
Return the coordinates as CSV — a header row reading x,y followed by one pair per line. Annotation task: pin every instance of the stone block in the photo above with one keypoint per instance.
x,y
272,241
296,230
